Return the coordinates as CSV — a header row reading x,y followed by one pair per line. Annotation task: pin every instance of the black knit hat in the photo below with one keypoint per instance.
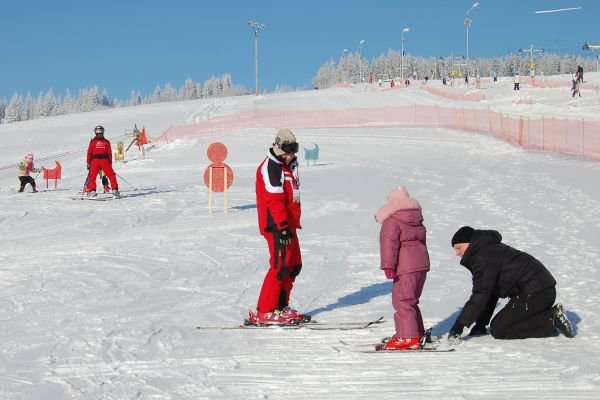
x,y
463,235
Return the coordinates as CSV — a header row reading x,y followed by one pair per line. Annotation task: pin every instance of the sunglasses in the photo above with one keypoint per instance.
x,y
290,148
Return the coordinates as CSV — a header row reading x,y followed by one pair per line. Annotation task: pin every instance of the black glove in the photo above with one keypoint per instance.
x,y
88,167
455,331
478,330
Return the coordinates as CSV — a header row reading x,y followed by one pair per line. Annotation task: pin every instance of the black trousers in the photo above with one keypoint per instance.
x,y
526,316
25,180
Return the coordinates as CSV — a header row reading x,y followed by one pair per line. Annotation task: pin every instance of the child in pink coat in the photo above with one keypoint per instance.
x,y
25,168
404,258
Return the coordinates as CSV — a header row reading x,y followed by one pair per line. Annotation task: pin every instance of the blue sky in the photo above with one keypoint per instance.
x,y
127,44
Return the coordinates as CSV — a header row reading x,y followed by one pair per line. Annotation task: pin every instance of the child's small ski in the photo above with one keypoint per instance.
x,y
97,198
427,349
312,325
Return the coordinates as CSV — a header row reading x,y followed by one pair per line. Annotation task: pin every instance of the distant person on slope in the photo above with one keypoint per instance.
x,y
278,206
576,87
25,168
501,271
579,74
517,83
405,260
99,157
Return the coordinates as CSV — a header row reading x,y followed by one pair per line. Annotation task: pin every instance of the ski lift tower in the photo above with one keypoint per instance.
x,y
531,52
257,28
593,47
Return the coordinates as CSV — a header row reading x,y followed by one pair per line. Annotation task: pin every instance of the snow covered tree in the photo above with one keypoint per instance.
x,y
135,98
47,105
14,110
156,96
69,103
29,109
326,76
227,83
189,90
169,93
2,109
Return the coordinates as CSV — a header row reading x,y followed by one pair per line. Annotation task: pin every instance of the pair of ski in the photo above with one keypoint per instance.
x,y
429,344
310,325
96,198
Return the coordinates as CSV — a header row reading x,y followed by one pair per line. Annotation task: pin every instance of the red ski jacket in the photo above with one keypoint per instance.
x,y
277,195
99,149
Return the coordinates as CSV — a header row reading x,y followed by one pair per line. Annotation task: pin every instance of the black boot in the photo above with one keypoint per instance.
x,y
561,322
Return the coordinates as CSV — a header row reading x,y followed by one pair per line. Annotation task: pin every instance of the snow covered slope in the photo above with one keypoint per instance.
x,y
99,300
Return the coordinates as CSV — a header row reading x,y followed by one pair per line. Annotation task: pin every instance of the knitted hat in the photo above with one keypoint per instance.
x,y
285,142
29,156
463,235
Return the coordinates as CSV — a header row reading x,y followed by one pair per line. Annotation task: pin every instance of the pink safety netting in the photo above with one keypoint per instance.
x,y
455,94
570,136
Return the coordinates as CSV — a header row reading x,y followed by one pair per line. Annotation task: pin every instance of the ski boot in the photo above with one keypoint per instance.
x,y
396,343
292,314
116,194
273,318
561,322
92,193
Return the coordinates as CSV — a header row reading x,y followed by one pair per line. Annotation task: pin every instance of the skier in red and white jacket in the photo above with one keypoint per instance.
x,y
278,206
99,157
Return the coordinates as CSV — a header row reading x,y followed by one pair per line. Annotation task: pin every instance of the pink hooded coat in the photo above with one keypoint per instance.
x,y
402,238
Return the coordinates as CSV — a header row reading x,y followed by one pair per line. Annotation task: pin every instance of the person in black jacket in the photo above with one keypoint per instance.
x,y
501,271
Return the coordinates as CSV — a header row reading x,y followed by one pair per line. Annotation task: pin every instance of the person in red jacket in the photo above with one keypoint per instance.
x,y
99,157
278,206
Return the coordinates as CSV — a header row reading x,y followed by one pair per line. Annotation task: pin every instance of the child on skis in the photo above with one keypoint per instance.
x,y
99,157
25,168
405,260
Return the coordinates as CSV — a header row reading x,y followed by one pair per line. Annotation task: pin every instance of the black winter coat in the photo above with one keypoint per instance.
x,y
498,271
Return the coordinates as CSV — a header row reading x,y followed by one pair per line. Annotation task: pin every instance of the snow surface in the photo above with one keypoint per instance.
x,y
99,300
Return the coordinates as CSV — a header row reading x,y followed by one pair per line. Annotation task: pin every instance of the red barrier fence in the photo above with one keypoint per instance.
x,y
569,136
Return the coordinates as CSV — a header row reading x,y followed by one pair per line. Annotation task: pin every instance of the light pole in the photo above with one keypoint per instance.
x,y
257,28
468,23
405,30
531,52
360,45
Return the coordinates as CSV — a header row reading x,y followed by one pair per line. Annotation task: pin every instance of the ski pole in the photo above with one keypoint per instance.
x,y
126,181
84,185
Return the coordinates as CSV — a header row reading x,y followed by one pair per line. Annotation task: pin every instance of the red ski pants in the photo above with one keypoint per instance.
x,y
279,281
104,165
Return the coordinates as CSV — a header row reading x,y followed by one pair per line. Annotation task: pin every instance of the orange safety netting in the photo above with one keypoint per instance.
x,y
570,136
455,95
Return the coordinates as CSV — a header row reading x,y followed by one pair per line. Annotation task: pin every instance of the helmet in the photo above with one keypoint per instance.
x,y
285,142
99,129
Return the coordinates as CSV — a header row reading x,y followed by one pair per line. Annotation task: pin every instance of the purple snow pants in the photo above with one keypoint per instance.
x,y
405,298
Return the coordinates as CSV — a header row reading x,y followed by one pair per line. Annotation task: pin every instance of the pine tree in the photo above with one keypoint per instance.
x,y
189,90
14,110
2,109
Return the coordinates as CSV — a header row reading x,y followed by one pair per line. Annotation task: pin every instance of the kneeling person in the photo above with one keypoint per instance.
x,y
501,271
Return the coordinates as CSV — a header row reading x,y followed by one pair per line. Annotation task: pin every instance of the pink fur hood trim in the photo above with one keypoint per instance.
x,y
398,199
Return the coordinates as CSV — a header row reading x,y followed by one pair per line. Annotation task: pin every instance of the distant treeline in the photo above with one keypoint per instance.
x,y
351,68
26,107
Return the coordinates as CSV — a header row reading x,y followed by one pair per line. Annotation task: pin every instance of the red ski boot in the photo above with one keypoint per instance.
x,y
269,318
294,315
396,343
